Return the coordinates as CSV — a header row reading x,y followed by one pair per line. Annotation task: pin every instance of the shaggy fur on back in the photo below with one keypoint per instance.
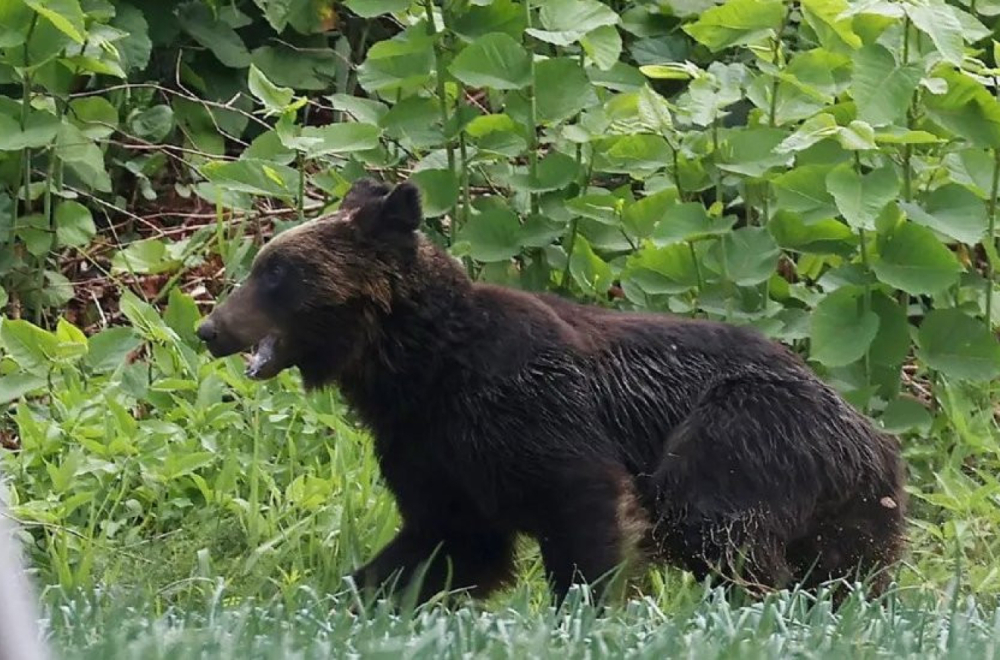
x,y
603,434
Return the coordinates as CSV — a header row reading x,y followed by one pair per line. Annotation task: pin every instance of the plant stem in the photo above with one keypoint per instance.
x,y
715,159
532,113
584,186
991,238
908,148
440,79
25,106
564,281
677,173
302,187
730,285
463,152
352,75
773,109
697,267
26,155
906,40
867,303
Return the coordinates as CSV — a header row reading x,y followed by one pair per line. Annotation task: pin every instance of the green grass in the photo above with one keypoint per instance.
x,y
694,625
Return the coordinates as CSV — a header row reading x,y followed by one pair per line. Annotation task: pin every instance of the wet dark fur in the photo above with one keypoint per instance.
x,y
497,412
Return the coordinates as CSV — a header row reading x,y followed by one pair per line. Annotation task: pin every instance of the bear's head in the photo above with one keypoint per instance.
x,y
315,292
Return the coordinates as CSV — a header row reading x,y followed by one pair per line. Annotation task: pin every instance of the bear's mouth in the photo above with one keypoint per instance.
x,y
266,359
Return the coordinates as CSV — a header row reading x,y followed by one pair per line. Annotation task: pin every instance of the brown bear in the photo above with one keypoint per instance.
x,y
497,412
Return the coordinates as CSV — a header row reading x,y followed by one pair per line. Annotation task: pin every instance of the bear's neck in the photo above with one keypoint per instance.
x,y
416,353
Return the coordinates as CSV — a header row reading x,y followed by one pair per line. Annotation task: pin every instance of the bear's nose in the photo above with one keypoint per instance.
x,y
206,331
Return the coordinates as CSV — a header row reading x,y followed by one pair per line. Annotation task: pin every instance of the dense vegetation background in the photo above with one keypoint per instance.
x,y
822,169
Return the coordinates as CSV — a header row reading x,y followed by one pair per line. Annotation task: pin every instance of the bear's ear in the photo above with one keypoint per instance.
x,y
363,191
399,211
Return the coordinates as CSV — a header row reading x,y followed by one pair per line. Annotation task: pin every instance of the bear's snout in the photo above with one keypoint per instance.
x,y
219,342
206,331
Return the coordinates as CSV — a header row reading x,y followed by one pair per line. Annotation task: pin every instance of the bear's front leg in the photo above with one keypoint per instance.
x,y
474,561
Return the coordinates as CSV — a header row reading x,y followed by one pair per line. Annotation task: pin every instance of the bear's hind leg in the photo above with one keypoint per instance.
x,y
862,542
737,479
736,547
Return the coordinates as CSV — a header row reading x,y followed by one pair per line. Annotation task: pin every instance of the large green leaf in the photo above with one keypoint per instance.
x,y
749,255
905,414
135,48
254,177
589,271
39,131
403,61
689,222
653,110
15,21
966,108
823,237
83,156
603,208
214,34
826,17
95,116
565,21
973,168
145,319
496,61
497,16
154,123
342,138
34,231
438,190
860,198
275,99
912,259
74,224
66,15
493,235
631,154
892,342
373,8
642,217
31,347
415,121
310,69
882,87
14,386
958,346
953,210
108,349
562,89
737,22
803,191
603,45
842,329
939,22
148,256
554,172
751,151
813,130
666,270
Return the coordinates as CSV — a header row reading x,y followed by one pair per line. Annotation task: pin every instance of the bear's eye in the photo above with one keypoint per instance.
x,y
273,276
